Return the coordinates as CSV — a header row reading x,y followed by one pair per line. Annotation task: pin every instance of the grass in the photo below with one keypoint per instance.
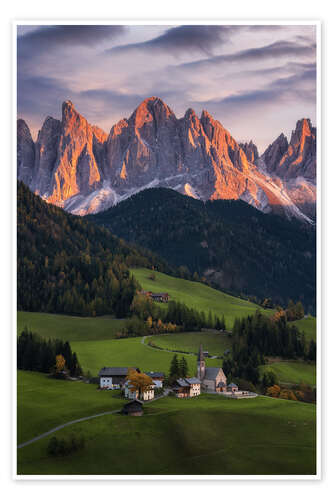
x,y
307,326
69,327
198,295
43,403
214,343
293,372
127,352
205,435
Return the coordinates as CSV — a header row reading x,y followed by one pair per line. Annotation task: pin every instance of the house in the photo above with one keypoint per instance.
x,y
158,378
133,408
212,378
160,297
113,377
187,387
157,297
133,393
232,387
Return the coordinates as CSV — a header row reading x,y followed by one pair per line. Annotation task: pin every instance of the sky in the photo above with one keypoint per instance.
x,y
257,80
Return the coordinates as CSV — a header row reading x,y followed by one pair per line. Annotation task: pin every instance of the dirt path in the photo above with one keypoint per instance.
x,y
168,350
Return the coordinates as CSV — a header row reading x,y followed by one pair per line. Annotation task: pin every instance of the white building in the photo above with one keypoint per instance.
x,y
133,393
113,377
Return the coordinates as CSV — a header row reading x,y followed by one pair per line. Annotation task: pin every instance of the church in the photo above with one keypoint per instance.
x,y
212,378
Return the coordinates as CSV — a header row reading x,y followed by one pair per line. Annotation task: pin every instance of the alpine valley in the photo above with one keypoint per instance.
x,y
80,168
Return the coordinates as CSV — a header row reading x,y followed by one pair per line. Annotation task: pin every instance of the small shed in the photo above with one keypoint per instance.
x,y
133,408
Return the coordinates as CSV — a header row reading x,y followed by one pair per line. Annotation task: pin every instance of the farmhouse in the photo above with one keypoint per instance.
x,y
157,297
133,393
158,378
211,378
113,377
187,387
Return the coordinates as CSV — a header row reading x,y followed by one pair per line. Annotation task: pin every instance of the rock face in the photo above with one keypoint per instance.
x,y
250,151
25,153
295,165
77,166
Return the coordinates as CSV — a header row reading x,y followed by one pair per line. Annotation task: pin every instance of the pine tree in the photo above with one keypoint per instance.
x,y
174,367
183,368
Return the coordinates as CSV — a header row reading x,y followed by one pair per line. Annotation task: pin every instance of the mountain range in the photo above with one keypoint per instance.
x,y
80,168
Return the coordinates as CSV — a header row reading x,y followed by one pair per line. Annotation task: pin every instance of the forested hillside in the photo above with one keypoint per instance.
x,y
66,264
234,245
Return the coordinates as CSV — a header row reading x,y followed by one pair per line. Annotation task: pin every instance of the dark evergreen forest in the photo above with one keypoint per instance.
x,y
233,245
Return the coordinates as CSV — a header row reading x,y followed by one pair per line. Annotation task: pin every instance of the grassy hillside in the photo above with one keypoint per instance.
x,y
215,343
69,327
293,372
127,352
43,403
205,435
197,295
308,326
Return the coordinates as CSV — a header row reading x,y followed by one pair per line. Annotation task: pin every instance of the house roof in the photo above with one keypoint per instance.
x,y
155,374
109,371
182,382
193,380
232,385
211,372
133,404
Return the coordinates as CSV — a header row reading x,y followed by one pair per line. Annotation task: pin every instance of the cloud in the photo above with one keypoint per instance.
x,y
273,50
293,88
183,39
46,38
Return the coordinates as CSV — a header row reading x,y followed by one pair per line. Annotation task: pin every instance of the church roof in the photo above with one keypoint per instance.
x,y
211,372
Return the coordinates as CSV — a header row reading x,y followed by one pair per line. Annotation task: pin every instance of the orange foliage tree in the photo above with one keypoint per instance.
x,y
60,363
273,391
139,381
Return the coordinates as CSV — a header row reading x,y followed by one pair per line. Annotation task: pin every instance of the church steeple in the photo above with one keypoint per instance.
x,y
201,365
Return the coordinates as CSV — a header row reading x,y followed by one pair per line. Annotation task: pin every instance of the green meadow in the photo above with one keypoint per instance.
x,y
214,343
128,352
205,435
69,327
307,326
293,372
197,295
43,402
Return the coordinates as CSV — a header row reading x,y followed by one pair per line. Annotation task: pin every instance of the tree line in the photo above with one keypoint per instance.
x,y
66,264
257,336
37,354
148,318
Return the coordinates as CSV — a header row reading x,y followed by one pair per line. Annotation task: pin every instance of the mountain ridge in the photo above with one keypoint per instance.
x,y
79,167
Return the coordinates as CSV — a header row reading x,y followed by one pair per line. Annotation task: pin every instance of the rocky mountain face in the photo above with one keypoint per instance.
x,y
250,150
79,167
293,165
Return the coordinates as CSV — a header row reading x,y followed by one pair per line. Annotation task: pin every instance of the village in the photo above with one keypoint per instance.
x,y
141,387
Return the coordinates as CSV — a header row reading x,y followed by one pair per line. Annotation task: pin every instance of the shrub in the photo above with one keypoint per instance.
x,y
61,447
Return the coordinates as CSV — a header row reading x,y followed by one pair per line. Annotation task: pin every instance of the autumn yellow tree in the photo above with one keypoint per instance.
x,y
60,363
139,381
273,391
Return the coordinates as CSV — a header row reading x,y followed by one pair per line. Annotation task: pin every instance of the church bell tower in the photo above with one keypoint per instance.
x,y
201,365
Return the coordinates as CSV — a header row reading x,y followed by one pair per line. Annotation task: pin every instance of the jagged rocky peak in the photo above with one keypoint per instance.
x,y
250,150
296,158
78,166
152,109
275,151
25,152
